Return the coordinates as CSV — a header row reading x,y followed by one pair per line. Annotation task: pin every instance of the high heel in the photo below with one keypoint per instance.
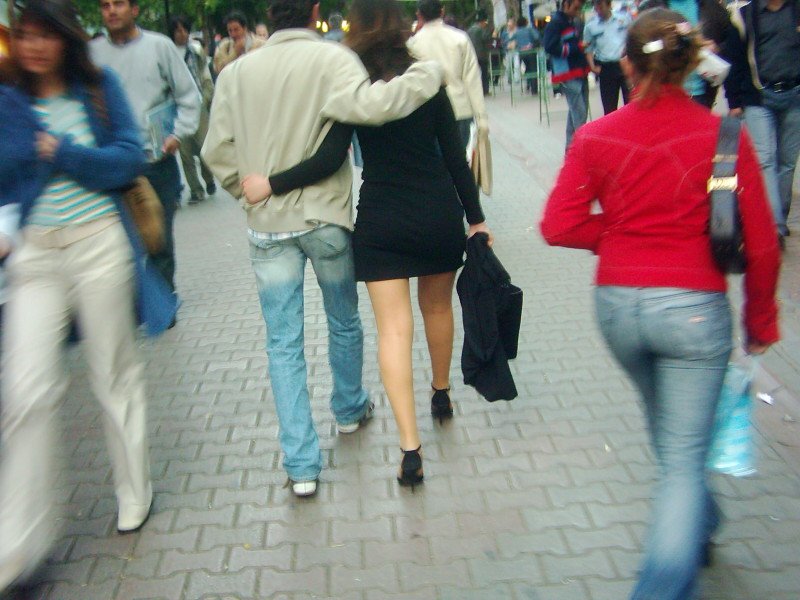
x,y
411,468
441,406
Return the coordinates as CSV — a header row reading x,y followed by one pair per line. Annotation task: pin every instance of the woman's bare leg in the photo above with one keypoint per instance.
x,y
436,303
391,303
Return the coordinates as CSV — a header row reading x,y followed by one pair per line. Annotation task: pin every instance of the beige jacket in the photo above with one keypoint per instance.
x,y
453,50
268,115
225,53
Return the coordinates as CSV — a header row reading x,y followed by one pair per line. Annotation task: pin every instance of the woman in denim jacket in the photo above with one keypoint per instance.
x,y
661,301
68,143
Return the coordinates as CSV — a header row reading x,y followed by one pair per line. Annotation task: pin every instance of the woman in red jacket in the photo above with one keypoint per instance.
x,y
661,301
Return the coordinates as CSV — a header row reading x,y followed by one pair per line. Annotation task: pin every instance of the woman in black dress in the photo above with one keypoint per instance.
x,y
417,190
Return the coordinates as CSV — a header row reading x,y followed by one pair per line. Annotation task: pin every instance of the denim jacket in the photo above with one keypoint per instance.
x,y
114,163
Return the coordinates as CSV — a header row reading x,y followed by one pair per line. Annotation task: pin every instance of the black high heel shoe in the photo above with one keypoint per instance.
x,y
441,406
411,468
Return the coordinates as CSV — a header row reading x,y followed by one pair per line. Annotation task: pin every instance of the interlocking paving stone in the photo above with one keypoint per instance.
x,y
313,581
176,561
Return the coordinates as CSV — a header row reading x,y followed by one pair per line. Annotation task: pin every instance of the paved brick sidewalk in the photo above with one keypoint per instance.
x,y
544,498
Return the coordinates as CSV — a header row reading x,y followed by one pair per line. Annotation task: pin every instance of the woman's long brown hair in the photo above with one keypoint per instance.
x,y
77,66
378,34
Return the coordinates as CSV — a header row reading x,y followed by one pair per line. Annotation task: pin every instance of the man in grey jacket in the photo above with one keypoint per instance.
x,y
156,81
269,113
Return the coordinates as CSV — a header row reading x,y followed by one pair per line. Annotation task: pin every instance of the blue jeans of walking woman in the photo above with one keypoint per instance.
x,y
279,266
675,345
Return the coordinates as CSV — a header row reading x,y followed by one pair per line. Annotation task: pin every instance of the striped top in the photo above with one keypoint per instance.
x,y
64,201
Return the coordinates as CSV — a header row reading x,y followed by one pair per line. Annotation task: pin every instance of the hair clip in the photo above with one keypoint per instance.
x,y
653,46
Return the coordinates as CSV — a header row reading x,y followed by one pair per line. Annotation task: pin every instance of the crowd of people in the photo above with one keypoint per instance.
x,y
77,122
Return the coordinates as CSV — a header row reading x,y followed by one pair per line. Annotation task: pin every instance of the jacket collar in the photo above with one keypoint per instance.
x,y
289,35
434,23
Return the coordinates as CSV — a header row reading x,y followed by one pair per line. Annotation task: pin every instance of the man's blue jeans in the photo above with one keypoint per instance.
x,y
279,267
675,345
576,92
776,137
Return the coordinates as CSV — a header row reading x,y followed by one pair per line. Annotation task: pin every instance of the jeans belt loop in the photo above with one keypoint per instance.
x,y
61,237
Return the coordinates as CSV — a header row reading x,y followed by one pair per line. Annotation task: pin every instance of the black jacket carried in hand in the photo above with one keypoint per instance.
x,y
492,310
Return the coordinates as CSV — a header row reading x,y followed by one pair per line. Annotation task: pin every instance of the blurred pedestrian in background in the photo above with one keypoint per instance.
x,y
660,298
239,41
763,46
563,41
604,35
526,39
335,32
261,31
196,60
452,49
163,97
481,37
75,143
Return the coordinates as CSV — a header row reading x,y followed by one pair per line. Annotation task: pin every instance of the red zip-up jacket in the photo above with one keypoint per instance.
x,y
648,164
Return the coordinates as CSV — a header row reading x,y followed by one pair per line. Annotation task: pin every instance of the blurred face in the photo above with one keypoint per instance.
x,y
118,15
235,31
261,30
572,8
40,50
511,24
602,8
181,36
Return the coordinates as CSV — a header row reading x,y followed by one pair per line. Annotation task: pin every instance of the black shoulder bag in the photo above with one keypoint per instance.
x,y
725,226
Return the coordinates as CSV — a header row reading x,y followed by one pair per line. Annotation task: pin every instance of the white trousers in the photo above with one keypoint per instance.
x,y
91,279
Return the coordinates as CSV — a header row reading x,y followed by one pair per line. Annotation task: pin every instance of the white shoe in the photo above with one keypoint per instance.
x,y
304,488
132,517
353,427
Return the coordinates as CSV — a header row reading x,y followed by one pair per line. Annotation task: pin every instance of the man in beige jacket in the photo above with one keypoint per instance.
x,y
269,113
453,50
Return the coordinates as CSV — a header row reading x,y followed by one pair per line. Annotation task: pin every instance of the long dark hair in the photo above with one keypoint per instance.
x,y
61,18
378,34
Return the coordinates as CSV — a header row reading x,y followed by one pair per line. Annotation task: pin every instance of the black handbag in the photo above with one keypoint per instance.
x,y
725,223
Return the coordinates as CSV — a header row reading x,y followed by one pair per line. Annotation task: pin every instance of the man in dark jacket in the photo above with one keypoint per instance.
x,y
763,47
563,42
480,36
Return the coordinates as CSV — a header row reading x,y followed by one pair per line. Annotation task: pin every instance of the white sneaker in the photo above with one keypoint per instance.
x,y
353,427
304,488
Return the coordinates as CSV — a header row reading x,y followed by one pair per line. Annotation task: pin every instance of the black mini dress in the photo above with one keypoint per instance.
x,y
417,189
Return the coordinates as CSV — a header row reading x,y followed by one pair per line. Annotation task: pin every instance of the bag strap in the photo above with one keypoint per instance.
x,y
723,177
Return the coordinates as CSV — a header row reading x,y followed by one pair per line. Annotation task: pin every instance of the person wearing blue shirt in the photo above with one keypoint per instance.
x,y
527,38
604,35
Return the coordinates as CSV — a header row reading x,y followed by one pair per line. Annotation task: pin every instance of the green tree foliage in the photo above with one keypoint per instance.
x,y
207,15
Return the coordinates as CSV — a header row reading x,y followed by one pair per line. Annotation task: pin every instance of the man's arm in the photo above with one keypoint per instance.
x,y
471,76
588,41
219,150
183,89
356,101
